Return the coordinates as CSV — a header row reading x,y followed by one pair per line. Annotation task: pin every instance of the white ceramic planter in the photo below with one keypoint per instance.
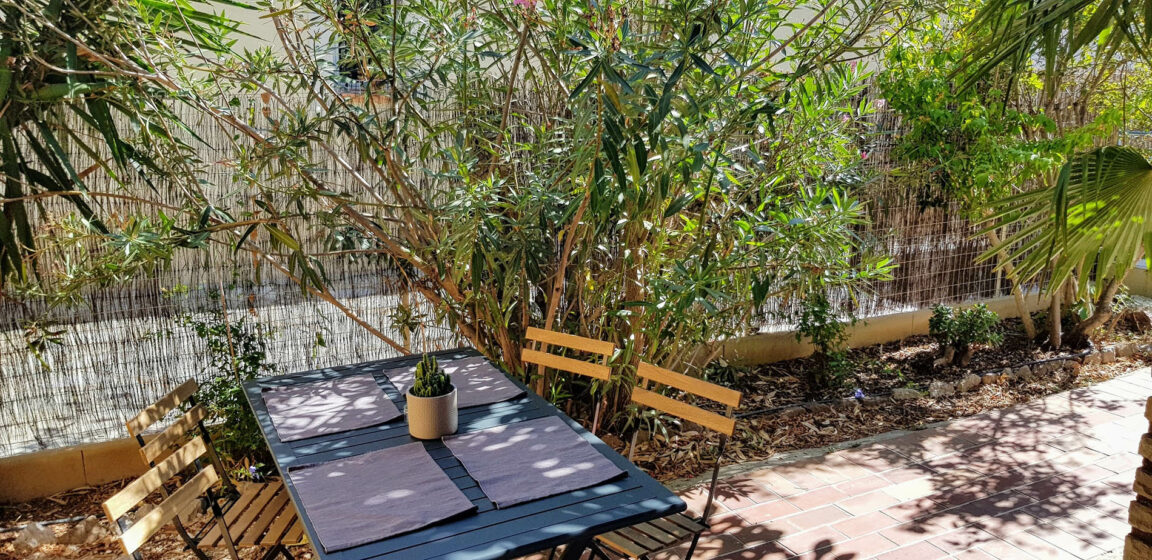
x,y
432,417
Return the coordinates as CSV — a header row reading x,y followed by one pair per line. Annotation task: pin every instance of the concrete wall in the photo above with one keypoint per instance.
x,y
1139,280
776,346
36,475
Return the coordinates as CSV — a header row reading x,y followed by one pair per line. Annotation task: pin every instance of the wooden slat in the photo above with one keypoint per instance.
x,y
565,364
180,500
1146,447
250,535
162,407
1148,409
571,341
135,492
687,383
678,532
1143,483
621,544
1140,516
254,509
280,526
295,533
648,543
173,434
686,411
654,532
248,492
688,523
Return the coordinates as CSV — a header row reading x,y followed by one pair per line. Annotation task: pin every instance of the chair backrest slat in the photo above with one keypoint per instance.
x,y
162,407
711,420
180,501
136,491
596,371
689,384
173,434
571,341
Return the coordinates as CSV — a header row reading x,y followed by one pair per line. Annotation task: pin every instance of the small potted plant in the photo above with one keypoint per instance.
x,y
431,402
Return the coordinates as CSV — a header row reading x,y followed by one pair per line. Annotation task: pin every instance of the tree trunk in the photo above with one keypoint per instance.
x,y
1055,338
1017,293
1102,312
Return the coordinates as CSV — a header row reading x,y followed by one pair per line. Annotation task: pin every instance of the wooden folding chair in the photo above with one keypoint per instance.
x,y
255,514
537,353
639,541
197,492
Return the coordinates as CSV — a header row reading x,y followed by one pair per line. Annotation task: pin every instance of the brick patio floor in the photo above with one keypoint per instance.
x,y
1047,479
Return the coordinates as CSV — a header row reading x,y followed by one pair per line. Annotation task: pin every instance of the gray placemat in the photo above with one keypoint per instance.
x,y
376,495
525,461
328,407
477,381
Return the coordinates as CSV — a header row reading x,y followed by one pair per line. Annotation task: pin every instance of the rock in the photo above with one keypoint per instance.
x,y
87,531
1024,373
1072,367
792,412
970,381
818,408
1125,349
990,378
32,537
941,389
873,402
1108,355
1092,359
905,394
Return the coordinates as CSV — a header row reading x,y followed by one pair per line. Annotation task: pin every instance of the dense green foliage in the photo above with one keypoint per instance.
x,y
234,352
431,381
961,329
819,322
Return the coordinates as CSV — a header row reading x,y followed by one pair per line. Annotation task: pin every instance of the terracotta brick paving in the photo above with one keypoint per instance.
x,y
1048,479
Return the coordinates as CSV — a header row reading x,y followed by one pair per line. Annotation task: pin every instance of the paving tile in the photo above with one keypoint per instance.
x,y
863,547
1066,541
1102,522
862,485
706,549
765,551
911,489
918,551
962,539
798,475
875,458
1038,547
774,482
907,511
907,472
813,539
864,524
769,511
973,554
1099,531
867,503
907,533
817,517
1004,550
1120,462
1078,458
751,489
1008,524
817,498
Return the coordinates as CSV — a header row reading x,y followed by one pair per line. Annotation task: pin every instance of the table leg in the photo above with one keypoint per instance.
x,y
575,549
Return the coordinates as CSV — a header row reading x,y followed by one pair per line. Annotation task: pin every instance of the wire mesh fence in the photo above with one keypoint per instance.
x,y
127,344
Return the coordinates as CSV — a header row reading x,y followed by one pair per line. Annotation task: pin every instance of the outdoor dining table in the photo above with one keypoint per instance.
x,y
572,518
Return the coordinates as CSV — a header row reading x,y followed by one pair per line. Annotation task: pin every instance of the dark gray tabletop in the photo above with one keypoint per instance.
x,y
489,533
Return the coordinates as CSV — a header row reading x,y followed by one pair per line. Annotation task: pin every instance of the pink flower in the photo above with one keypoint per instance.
x,y
863,155
529,5
881,103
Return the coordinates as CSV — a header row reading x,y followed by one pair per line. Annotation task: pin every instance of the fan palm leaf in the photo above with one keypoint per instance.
x,y
1093,223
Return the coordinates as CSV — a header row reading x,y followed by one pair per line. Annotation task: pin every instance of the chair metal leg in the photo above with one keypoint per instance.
x,y
278,550
692,548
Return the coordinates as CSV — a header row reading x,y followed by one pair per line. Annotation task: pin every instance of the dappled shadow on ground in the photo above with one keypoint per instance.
x,y
1052,476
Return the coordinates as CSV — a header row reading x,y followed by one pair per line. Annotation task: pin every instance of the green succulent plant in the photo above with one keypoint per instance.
x,y
431,381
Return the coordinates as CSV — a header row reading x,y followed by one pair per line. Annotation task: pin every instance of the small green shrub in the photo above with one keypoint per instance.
x,y
959,330
819,322
431,381
234,352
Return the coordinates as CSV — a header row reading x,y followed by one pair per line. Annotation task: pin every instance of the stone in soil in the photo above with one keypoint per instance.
x,y
32,537
1024,373
970,381
941,389
905,394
